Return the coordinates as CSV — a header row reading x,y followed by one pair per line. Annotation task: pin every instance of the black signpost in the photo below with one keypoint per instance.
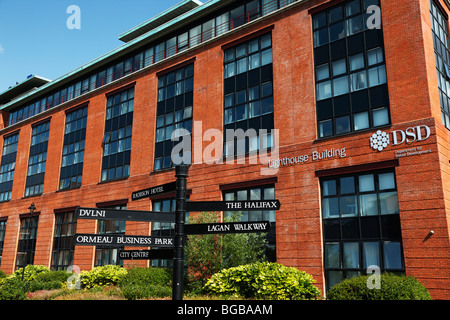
x,y
231,227
123,215
251,205
181,173
113,240
146,254
171,247
146,193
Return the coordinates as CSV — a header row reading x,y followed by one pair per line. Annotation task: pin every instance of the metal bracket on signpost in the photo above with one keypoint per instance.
x,y
181,173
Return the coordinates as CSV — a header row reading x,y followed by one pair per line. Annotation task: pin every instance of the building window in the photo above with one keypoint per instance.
x,y
361,225
37,160
2,237
256,193
350,70
248,93
166,229
63,248
8,166
174,111
27,241
73,149
105,255
439,26
117,138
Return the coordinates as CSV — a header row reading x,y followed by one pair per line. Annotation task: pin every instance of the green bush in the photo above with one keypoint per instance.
x,y
263,280
143,283
2,274
102,276
13,289
34,286
392,287
140,291
31,272
60,276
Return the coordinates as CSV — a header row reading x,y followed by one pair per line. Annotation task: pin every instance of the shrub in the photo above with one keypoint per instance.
x,y
13,289
2,274
34,286
48,280
60,276
263,280
141,291
392,287
31,272
142,283
102,276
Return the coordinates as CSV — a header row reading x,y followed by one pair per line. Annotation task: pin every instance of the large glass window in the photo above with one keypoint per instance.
x,y
439,26
2,237
361,225
248,93
27,241
8,166
174,111
63,247
256,193
73,149
350,70
166,229
105,255
37,160
117,138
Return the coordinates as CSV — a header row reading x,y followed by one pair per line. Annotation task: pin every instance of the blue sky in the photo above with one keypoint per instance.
x,y
34,38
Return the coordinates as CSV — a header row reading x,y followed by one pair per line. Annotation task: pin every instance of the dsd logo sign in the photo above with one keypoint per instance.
x,y
380,140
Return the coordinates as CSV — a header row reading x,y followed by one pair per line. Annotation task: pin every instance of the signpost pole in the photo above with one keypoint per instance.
x,y
181,173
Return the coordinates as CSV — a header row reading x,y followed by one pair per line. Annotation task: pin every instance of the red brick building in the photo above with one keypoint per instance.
x,y
358,91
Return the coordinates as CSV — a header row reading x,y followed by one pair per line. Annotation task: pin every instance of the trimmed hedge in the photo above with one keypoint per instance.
x,y
392,287
263,280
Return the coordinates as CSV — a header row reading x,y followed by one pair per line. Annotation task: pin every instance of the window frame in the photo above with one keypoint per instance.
x,y
117,139
380,228
63,247
175,107
355,99
240,78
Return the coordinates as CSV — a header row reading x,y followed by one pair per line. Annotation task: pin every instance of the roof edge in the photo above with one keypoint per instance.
x,y
159,19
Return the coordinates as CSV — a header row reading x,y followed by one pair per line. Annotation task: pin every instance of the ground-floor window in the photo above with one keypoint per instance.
x,y
105,255
63,247
2,237
257,193
164,229
27,241
361,225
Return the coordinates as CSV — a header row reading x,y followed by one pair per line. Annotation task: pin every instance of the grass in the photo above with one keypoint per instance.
x,y
106,293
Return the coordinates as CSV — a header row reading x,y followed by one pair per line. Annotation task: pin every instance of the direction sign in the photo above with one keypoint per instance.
x,y
145,193
231,227
251,205
83,239
146,254
124,215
